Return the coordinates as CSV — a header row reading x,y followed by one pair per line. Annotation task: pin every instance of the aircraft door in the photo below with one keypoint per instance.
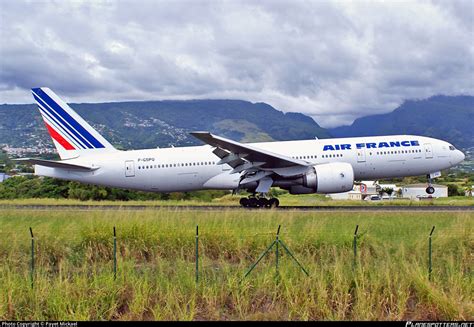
x,y
361,155
129,168
428,149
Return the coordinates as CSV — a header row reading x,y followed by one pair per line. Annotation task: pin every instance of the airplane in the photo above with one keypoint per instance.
x,y
301,167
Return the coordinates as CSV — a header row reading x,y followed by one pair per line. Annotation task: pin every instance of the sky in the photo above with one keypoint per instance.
x,y
332,60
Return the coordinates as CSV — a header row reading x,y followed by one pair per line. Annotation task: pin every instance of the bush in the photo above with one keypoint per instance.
x,y
453,190
30,186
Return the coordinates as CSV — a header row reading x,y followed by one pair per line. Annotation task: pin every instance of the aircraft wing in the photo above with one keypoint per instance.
x,y
56,164
256,164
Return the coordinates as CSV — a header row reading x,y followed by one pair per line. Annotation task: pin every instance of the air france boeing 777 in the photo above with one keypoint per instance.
x,y
301,167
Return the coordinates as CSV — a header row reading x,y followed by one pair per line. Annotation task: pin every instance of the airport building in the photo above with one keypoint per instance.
x,y
3,177
417,191
359,192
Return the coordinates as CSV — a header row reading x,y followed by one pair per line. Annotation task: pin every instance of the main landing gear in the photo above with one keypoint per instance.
x,y
259,202
430,189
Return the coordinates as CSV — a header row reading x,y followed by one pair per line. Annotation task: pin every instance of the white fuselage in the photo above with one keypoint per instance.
x,y
195,168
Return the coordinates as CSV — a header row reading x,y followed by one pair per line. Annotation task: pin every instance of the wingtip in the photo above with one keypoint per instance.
x,y
199,132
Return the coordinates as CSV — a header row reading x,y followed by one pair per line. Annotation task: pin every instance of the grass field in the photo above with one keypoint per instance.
x,y
156,266
285,200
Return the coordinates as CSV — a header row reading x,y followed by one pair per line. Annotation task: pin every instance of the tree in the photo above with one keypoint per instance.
x,y
453,190
386,190
467,186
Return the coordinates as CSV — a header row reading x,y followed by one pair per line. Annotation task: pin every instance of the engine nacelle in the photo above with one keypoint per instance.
x,y
334,177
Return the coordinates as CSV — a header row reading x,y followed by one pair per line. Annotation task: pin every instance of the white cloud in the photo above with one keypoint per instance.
x,y
335,61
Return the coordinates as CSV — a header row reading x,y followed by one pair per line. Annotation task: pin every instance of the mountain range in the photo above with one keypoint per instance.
x,y
450,118
148,124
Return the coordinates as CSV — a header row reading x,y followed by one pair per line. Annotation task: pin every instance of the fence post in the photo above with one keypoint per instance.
x,y
276,242
115,255
258,260
354,244
32,257
429,255
197,253
276,249
293,257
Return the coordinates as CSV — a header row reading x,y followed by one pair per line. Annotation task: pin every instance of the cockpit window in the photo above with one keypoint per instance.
x,y
452,148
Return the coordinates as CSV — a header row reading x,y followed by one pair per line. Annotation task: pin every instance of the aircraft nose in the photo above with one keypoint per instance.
x,y
460,155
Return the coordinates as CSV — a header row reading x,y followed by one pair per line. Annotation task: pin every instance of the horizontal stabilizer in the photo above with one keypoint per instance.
x,y
56,164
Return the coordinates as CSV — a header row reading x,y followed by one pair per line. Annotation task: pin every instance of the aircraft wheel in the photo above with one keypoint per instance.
x,y
253,203
264,203
244,202
273,203
430,190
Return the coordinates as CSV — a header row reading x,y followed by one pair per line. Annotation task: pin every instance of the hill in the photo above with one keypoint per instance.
x,y
148,124
450,118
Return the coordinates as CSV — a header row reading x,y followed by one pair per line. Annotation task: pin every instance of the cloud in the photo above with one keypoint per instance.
x,y
335,61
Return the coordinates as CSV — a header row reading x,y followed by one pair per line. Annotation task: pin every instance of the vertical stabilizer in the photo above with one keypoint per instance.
x,y
71,134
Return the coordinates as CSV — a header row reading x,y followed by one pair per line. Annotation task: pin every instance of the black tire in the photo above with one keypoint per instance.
x,y
273,203
430,190
264,203
253,203
244,202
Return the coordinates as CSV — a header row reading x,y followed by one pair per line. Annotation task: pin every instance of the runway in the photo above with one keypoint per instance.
x,y
85,207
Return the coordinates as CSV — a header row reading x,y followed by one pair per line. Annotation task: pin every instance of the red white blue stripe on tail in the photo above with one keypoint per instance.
x,y
67,129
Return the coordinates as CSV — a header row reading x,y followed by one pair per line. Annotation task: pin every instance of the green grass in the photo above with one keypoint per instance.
x,y
155,281
229,200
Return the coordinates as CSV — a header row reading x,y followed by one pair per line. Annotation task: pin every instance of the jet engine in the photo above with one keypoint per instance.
x,y
334,177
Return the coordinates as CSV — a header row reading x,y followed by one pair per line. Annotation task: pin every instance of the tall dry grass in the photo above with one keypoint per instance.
x,y
156,280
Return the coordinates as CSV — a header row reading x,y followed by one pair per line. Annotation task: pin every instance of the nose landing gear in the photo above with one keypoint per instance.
x,y
430,189
259,202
